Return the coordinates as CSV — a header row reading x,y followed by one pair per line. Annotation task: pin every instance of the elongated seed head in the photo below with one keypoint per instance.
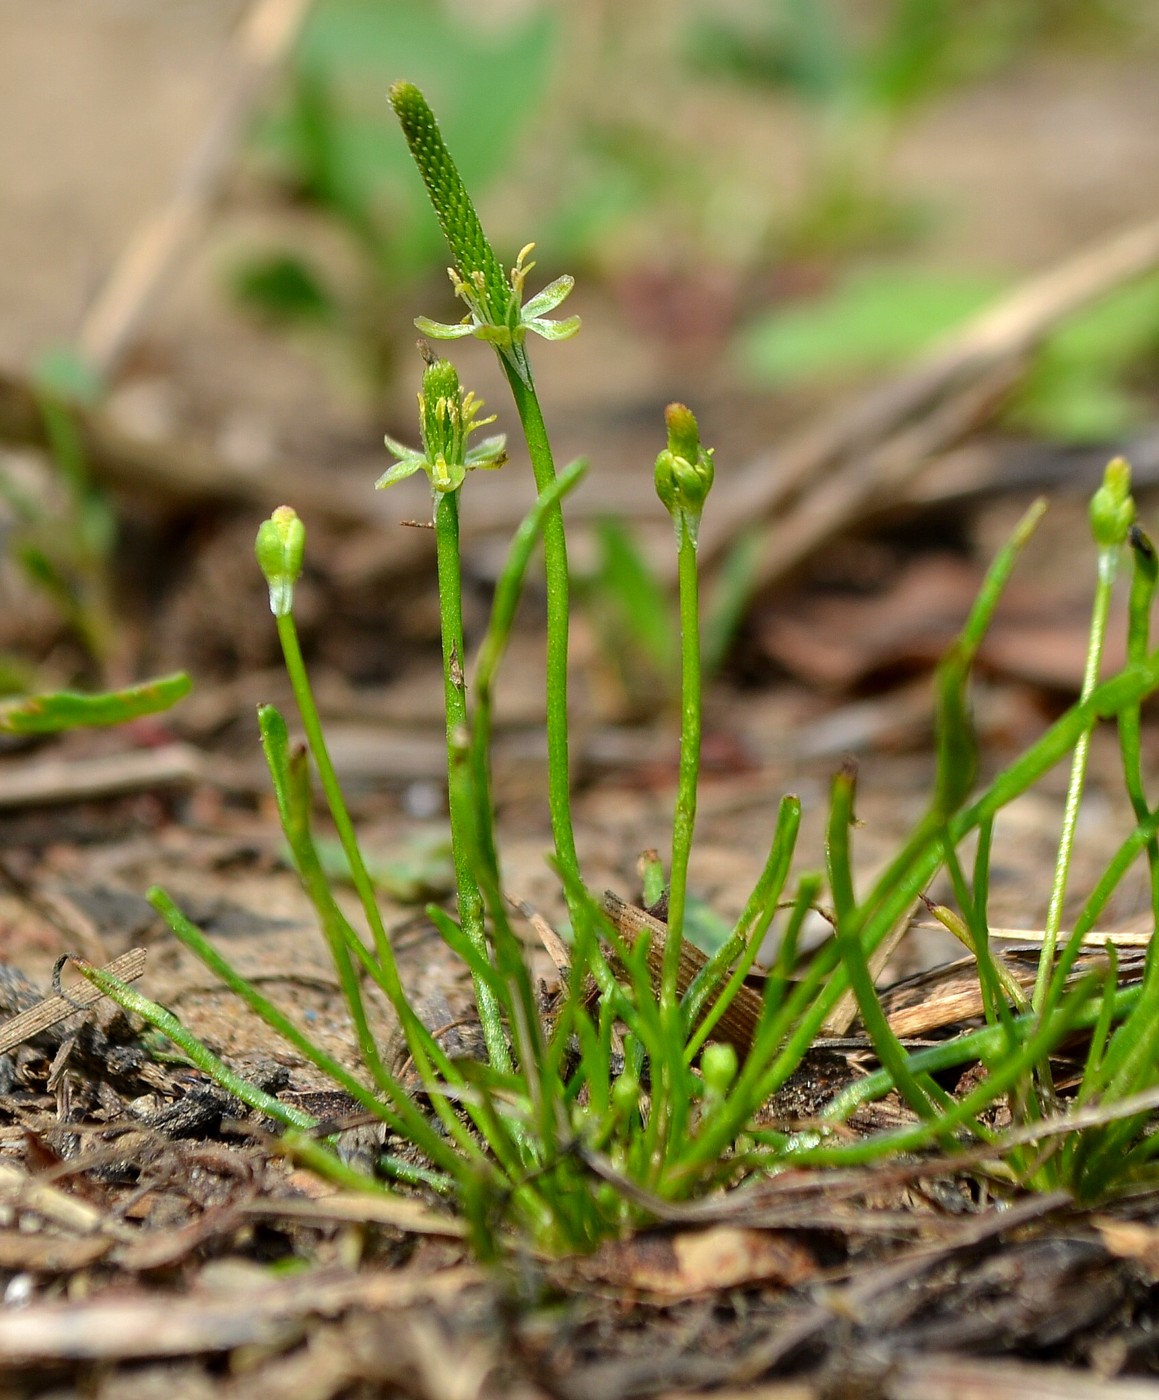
x,y
479,269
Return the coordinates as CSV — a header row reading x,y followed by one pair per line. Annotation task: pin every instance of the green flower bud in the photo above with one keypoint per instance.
x,y
684,470
1112,509
625,1094
280,548
718,1064
447,418
444,426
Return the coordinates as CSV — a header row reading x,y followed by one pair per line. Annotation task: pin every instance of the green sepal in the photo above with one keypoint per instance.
x,y
410,464
443,330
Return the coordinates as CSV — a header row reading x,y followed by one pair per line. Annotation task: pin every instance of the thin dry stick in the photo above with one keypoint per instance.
x,y
556,949
52,1010
156,246
861,485
845,1011
63,779
1001,336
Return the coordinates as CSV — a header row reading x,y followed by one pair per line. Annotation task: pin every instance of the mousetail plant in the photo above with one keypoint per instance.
x,y
645,1080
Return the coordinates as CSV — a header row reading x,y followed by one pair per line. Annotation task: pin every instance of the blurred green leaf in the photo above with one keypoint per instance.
x,y
910,60
338,139
871,320
1082,387
731,591
67,709
632,615
284,288
704,927
424,872
62,372
795,44
1074,404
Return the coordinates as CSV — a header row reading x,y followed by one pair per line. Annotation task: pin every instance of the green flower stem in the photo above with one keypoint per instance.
x,y
1108,558
558,615
508,591
683,478
292,790
1108,882
390,980
684,818
312,724
1112,514
459,784
418,1040
1143,585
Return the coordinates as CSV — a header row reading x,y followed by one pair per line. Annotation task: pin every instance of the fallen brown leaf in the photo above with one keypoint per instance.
x,y
695,1262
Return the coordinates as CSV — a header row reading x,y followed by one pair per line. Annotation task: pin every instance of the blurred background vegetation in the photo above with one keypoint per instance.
x,y
765,202
741,149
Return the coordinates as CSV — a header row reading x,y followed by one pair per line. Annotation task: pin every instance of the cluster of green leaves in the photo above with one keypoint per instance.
x,y
578,1122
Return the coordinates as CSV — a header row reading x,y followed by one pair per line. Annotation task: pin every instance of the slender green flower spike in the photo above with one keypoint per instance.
x,y
447,417
684,471
494,299
280,548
